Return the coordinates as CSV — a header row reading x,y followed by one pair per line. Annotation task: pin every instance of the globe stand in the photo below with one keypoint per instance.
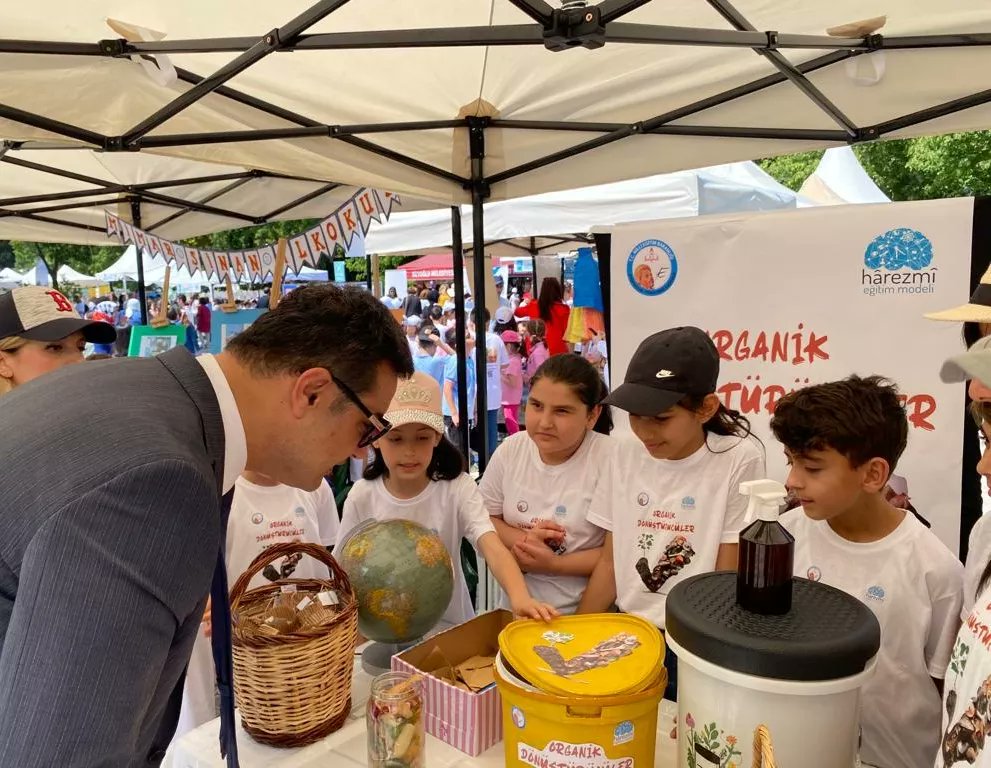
x,y
376,658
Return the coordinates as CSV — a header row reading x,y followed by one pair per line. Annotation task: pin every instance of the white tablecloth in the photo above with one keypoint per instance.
x,y
347,747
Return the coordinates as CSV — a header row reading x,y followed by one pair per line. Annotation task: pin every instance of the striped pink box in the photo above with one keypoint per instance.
x,y
471,722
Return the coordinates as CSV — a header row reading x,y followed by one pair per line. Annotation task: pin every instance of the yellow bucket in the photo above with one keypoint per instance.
x,y
562,729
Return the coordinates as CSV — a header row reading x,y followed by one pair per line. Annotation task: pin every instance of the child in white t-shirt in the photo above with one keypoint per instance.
x,y
967,694
419,475
538,486
263,513
671,505
843,440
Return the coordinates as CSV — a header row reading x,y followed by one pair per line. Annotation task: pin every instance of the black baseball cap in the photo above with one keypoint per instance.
x,y
666,367
38,313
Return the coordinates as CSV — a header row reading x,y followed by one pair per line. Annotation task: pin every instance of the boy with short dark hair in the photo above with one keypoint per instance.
x,y
842,440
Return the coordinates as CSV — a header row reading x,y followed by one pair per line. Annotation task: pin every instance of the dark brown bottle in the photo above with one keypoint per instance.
x,y
767,553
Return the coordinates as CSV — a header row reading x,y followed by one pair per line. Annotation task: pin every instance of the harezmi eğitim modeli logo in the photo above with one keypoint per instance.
x,y
899,261
652,267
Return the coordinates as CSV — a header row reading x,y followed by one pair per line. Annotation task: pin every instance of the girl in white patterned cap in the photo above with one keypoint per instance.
x,y
418,475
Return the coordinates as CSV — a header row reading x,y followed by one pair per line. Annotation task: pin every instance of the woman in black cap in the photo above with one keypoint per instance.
x,y
40,331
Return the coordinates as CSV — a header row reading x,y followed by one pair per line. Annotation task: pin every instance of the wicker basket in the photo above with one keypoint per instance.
x,y
763,748
293,689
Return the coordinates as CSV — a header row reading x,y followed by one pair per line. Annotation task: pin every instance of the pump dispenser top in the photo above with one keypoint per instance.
x,y
766,498
767,552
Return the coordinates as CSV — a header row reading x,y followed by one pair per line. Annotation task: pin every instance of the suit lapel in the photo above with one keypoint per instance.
x,y
193,379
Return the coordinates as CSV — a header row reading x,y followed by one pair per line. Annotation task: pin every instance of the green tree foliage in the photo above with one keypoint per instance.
x,y
926,168
87,259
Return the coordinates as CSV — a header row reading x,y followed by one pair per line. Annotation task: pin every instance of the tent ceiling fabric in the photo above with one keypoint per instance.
x,y
354,111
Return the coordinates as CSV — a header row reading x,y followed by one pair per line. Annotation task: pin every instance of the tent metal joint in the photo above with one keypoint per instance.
x,y
113,48
772,40
574,28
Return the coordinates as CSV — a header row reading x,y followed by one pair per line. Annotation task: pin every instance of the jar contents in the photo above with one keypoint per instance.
x,y
394,720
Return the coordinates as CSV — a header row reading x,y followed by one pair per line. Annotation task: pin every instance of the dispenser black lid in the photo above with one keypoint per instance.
x,y
827,635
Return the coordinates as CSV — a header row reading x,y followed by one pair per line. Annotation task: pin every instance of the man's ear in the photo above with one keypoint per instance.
x,y
876,474
312,388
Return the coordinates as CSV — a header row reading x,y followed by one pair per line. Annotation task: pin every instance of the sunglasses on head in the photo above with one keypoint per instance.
x,y
376,427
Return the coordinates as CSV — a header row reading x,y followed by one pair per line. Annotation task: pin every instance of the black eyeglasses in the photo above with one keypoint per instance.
x,y
377,426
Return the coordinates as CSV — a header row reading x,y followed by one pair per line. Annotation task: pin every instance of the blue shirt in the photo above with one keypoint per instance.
x,y
451,374
432,366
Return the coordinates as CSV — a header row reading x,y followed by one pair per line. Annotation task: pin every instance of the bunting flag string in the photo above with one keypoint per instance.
x,y
339,229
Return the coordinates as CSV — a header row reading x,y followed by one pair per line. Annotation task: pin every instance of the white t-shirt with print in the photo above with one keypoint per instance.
x,y
913,584
520,488
494,346
265,515
260,517
453,509
966,713
669,517
978,554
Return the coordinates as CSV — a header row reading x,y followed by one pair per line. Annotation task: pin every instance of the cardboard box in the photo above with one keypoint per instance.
x,y
471,722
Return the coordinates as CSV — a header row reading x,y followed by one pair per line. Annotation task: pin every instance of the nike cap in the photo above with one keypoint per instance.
x,y
666,367
38,313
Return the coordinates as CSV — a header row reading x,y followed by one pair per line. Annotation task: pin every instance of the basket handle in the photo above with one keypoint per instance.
x,y
276,551
763,748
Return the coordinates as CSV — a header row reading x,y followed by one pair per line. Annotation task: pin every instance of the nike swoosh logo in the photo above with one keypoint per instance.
x,y
664,374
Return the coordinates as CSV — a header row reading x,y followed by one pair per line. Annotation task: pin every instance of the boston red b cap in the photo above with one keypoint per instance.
x,y
43,314
666,367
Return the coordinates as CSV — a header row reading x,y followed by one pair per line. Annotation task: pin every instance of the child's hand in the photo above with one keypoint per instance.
x,y
534,609
547,529
534,556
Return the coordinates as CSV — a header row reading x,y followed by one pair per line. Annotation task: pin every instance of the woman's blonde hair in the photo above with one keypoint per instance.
x,y
9,344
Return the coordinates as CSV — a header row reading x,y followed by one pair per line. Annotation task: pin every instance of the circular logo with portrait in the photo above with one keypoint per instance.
x,y
652,267
643,499
814,574
522,507
258,518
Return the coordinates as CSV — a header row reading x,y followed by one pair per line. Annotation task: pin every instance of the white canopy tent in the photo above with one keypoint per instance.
x,y
675,84
474,100
556,221
839,179
9,278
126,267
67,274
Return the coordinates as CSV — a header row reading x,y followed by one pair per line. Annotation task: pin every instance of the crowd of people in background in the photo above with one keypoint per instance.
x,y
523,332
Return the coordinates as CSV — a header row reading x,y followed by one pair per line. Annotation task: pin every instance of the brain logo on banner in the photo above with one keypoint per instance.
x,y
652,267
899,261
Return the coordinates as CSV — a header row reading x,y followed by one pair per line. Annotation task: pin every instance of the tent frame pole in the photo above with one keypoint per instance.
x,y
479,193
461,332
142,293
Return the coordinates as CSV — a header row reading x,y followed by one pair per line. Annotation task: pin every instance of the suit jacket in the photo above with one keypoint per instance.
x,y
110,525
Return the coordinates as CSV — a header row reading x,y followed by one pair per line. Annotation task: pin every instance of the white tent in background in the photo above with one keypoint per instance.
x,y
31,278
67,274
9,278
126,267
840,179
548,222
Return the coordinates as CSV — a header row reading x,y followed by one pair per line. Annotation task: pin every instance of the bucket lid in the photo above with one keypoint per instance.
x,y
827,635
605,654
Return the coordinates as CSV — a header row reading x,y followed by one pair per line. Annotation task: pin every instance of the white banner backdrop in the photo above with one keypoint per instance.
x,y
801,297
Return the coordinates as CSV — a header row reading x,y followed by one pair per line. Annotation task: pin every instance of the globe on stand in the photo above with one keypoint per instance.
x,y
403,579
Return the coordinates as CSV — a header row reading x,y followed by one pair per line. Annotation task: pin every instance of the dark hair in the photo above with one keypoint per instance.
x,y
436,312
538,329
585,382
204,300
500,327
448,463
981,413
345,330
172,315
862,418
972,333
725,421
551,293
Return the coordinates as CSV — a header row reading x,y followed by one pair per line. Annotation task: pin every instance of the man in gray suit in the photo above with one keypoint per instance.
x,y
107,547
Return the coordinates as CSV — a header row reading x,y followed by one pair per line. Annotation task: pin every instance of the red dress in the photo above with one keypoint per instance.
x,y
558,324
